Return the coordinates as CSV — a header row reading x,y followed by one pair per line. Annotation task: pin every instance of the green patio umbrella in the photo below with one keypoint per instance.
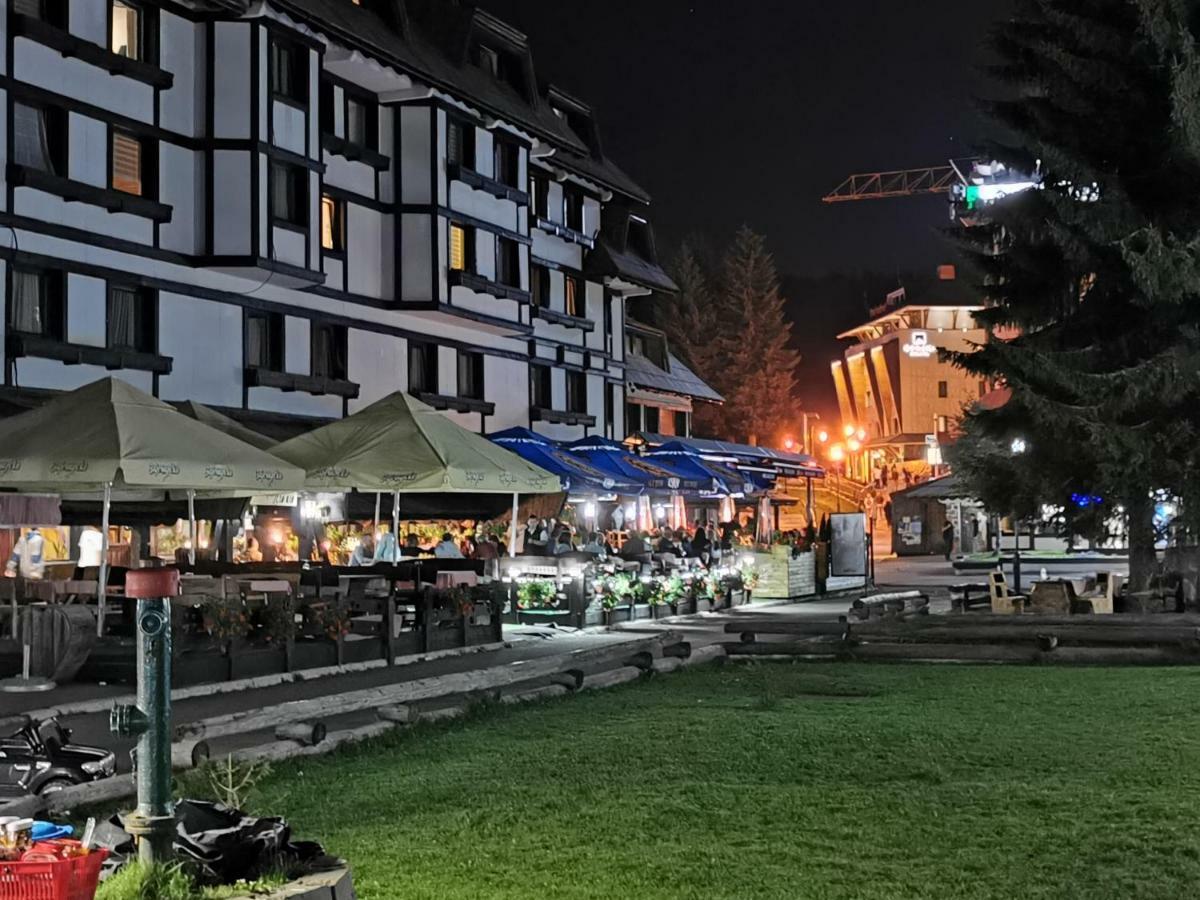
x,y
401,445
108,437
222,422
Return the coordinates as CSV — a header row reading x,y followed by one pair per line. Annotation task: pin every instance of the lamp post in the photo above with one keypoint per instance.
x,y
1017,447
837,455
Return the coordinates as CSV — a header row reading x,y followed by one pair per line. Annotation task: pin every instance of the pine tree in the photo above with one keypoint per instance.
x,y
754,366
686,316
1100,269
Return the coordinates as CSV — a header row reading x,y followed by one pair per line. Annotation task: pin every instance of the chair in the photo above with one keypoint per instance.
x,y
1004,602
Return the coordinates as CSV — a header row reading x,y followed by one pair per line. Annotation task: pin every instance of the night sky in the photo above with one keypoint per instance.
x,y
749,112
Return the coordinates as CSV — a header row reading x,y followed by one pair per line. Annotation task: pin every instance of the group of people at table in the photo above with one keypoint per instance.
x,y
551,537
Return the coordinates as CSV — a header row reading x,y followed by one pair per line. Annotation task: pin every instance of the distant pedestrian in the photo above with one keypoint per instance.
x,y
907,479
887,512
948,539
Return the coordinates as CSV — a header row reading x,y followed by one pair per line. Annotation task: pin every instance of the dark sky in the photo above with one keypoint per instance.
x,y
731,113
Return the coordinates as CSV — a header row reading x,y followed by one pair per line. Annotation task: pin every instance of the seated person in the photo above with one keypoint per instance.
x,y
596,545
635,545
487,548
668,544
411,548
562,543
364,553
446,548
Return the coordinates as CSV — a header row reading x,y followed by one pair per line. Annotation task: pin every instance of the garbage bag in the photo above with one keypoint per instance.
x,y
225,844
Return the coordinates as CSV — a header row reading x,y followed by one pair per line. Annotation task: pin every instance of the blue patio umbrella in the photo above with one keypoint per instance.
x,y
579,475
656,476
727,481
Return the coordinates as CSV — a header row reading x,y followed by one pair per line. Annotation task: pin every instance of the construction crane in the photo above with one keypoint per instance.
x,y
898,183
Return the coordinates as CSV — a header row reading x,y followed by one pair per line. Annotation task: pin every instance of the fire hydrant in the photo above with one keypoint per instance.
x,y
153,822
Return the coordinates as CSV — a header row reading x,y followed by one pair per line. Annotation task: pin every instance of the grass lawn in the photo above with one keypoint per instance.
x,y
781,781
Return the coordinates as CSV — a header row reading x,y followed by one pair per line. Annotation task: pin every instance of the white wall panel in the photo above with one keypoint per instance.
x,y
87,156
87,310
45,67
182,55
205,340
288,130
289,246
414,154
181,176
297,346
56,376
416,269
231,81
231,202
378,364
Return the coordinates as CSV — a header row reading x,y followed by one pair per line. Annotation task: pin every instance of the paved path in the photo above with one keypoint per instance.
x,y
92,728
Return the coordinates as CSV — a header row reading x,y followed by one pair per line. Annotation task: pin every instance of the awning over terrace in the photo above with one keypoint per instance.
x,y
742,455
579,475
656,477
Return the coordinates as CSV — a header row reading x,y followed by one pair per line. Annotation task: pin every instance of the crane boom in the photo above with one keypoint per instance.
x,y
900,183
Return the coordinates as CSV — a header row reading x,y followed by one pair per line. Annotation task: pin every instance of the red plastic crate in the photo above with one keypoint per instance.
x,y
75,878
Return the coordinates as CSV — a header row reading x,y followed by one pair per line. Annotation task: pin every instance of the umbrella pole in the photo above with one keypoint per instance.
x,y
102,584
512,526
191,495
396,525
375,527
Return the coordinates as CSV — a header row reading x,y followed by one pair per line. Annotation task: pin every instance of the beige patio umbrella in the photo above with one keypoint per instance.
x,y
108,437
401,445
222,422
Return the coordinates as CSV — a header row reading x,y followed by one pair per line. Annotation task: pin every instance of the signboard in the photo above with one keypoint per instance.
x,y
918,346
290,500
848,554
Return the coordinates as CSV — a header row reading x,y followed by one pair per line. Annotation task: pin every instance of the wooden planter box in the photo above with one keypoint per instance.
x,y
662,610
618,614
313,654
544,617
250,662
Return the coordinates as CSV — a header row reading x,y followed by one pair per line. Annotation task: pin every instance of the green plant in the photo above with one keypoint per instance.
x,y
537,593
673,590
226,780
224,620
614,590
332,619
276,619
465,599
139,881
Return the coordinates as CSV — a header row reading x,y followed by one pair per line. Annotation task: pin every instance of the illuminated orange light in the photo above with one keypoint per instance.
x,y
853,446
848,430
861,434
822,436
836,453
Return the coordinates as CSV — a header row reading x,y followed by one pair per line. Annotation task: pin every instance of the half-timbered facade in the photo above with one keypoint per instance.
x,y
286,209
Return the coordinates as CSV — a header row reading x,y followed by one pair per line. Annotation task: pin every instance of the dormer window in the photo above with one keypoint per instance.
x,y
489,61
639,239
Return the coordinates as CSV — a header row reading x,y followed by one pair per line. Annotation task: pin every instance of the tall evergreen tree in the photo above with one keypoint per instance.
x,y
1100,269
754,366
686,316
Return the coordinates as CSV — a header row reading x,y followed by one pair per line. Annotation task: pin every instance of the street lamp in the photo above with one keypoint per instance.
x,y
848,430
1018,447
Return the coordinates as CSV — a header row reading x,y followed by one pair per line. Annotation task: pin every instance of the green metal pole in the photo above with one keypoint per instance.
x,y
153,822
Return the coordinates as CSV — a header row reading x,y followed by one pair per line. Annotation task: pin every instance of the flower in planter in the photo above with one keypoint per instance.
x,y
615,590
224,620
537,593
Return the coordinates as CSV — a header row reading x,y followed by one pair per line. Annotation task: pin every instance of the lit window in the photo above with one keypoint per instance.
x,y
126,30
127,164
333,224
571,295
461,249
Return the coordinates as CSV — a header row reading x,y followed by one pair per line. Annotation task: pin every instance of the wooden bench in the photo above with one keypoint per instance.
x,y
961,599
1003,602
891,604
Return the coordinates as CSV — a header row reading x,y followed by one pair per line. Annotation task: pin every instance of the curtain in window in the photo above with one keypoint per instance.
x,y
454,143
283,193
470,376
122,318
126,163
28,8
126,30
356,123
256,342
27,313
329,360
328,223
31,145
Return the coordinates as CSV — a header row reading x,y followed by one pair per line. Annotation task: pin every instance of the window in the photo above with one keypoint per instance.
x,y
507,158
488,60
361,123
132,319
572,296
37,303
576,392
329,351
651,418
289,72
333,224
325,101
539,188
609,405
422,368
681,424
53,12
40,138
943,389
128,30
462,248
573,209
460,144
264,341
470,375
289,194
606,325
539,385
539,285
508,262
132,168
633,418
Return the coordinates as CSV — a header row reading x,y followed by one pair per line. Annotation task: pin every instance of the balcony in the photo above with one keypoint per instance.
x,y
497,189
457,404
78,192
562,231
564,319
354,152
288,382
41,347
481,285
561,416
69,45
